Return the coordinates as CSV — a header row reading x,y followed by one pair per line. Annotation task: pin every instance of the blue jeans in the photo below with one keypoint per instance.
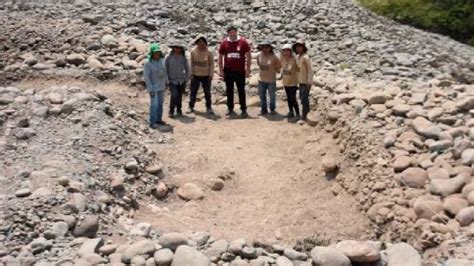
x,y
263,87
304,97
156,106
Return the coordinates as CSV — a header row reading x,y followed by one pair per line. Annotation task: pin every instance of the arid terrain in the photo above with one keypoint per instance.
x,y
380,174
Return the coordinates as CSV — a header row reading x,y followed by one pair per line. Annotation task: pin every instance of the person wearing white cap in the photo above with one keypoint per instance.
x,y
289,75
269,65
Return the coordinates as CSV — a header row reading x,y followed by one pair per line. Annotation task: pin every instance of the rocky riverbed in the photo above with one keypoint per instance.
x,y
76,165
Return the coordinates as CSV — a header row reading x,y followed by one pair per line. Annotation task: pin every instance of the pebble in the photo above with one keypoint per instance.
x,y
190,191
24,192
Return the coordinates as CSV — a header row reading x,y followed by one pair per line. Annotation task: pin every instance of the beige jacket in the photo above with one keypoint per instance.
x,y
305,70
202,63
289,71
269,66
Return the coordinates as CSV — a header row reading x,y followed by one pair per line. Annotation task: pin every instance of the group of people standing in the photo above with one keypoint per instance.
x,y
234,63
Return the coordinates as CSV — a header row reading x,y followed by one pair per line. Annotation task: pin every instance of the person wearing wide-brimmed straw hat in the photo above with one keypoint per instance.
x,y
202,71
269,65
234,67
305,74
177,68
154,73
290,79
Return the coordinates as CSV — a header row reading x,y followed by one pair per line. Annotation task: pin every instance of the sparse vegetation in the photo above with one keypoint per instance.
x,y
454,18
309,243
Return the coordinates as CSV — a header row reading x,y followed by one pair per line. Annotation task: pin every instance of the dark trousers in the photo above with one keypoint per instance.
x,y
231,77
291,99
177,91
304,97
206,85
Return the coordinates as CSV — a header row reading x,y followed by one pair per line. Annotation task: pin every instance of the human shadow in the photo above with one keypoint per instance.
x,y
274,117
293,120
166,128
213,116
185,119
239,117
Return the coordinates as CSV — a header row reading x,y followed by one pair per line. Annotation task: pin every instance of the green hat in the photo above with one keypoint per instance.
x,y
154,48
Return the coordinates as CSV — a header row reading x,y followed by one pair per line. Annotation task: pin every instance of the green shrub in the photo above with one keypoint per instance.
x,y
454,18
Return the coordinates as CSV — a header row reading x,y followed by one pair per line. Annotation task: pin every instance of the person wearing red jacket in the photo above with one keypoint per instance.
x,y
234,67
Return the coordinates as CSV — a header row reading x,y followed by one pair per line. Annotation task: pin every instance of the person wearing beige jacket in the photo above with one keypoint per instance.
x,y
202,71
305,75
289,75
269,65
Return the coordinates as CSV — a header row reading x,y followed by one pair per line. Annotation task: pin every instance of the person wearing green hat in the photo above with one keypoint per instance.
x,y
156,79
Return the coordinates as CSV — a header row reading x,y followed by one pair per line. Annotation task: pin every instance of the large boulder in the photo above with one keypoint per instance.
x,y
172,240
109,41
188,256
465,104
446,187
425,128
467,157
87,227
323,256
402,254
465,216
414,177
90,246
359,252
217,248
163,257
427,208
452,205
138,248
458,262
75,59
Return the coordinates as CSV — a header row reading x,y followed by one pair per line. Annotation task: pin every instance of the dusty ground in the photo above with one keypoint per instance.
x,y
278,190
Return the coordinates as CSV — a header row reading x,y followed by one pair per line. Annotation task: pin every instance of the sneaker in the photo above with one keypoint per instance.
x,y
161,123
290,115
244,114
190,110
273,112
262,113
230,113
180,113
154,126
209,111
